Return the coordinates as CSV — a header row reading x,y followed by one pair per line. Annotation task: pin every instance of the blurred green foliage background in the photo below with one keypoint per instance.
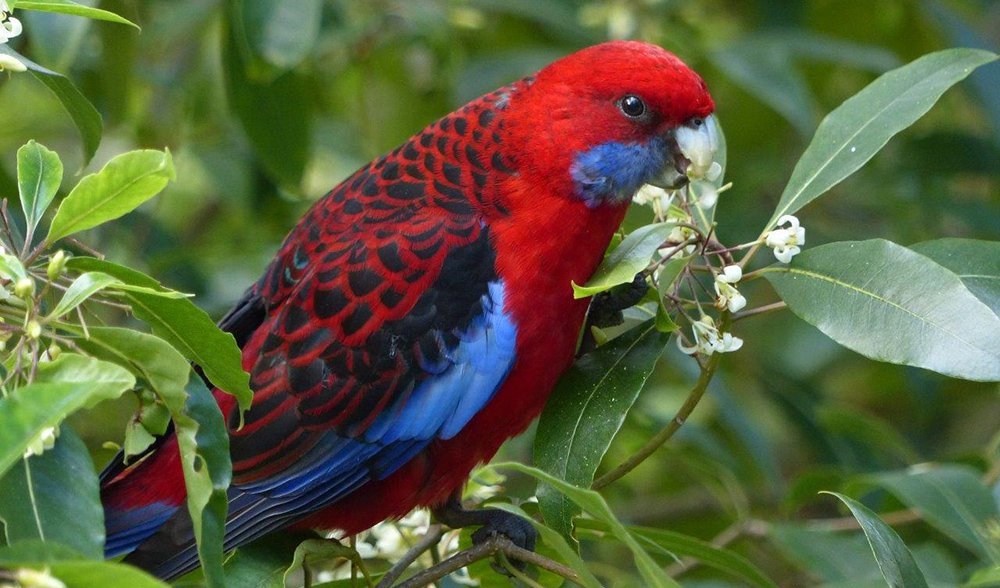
x,y
266,106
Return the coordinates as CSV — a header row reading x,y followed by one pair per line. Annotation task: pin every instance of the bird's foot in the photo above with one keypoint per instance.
x,y
606,308
491,522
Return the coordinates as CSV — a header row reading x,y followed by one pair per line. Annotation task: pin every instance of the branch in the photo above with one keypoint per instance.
x,y
489,548
693,398
430,539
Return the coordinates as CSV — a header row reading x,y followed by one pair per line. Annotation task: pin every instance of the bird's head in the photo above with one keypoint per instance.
x,y
600,123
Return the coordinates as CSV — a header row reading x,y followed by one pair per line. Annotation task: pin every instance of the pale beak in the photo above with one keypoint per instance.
x,y
692,148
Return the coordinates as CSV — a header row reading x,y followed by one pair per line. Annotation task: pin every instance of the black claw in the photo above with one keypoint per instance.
x,y
492,522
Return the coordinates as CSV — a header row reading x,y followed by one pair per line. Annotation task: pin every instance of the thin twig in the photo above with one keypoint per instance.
x,y
693,398
488,548
752,527
429,540
780,305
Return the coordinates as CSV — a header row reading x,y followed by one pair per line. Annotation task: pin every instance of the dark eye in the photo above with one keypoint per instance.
x,y
632,106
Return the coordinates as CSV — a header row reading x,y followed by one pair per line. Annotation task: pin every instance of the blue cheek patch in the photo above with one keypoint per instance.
x,y
612,172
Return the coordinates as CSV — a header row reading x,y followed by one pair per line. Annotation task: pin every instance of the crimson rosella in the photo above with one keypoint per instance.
x,y
421,312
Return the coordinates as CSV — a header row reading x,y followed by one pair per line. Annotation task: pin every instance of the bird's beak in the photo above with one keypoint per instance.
x,y
691,151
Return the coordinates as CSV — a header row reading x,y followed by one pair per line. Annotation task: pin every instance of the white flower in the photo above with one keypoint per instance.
x,y
708,340
11,63
10,27
730,274
786,241
705,194
42,442
649,194
43,578
728,296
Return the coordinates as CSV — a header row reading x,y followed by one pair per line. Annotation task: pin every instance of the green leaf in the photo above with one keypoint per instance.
x,y
149,357
281,33
85,116
630,257
672,544
55,497
811,548
39,174
204,446
153,361
262,563
975,262
88,574
82,288
891,304
953,499
555,540
894,560
123,184
284,148
63,387
857,129
594,503
11,267
313,549
764,64
72,8
35,551
984,578
585,412
185,326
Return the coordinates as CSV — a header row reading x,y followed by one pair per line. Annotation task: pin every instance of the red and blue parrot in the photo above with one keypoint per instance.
x,y
421,312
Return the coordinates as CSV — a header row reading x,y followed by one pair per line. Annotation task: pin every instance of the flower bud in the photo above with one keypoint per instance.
x,y
33,330
57,263
24,288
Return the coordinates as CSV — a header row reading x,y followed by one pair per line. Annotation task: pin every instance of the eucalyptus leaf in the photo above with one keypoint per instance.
x,y
630,257
894,560
891,304
953,499
585,412
312,549
123,184
11,267
593,503
672,544
281,33
185,326
204,446
55,497
857,129
86,118
82,288
27,411
258,103
39,174
72,8
975,262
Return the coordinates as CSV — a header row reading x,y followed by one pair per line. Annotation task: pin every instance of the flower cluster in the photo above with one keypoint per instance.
x,y
785,241
10,27
708,339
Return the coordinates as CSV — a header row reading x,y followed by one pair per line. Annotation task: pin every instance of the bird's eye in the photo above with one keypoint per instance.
x,y
632,106
696,122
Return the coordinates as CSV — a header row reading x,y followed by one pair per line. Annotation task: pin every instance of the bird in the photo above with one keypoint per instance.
x,y
420,313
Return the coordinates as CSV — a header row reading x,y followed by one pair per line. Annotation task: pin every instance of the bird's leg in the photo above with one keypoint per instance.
x,y
606,309
492,522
